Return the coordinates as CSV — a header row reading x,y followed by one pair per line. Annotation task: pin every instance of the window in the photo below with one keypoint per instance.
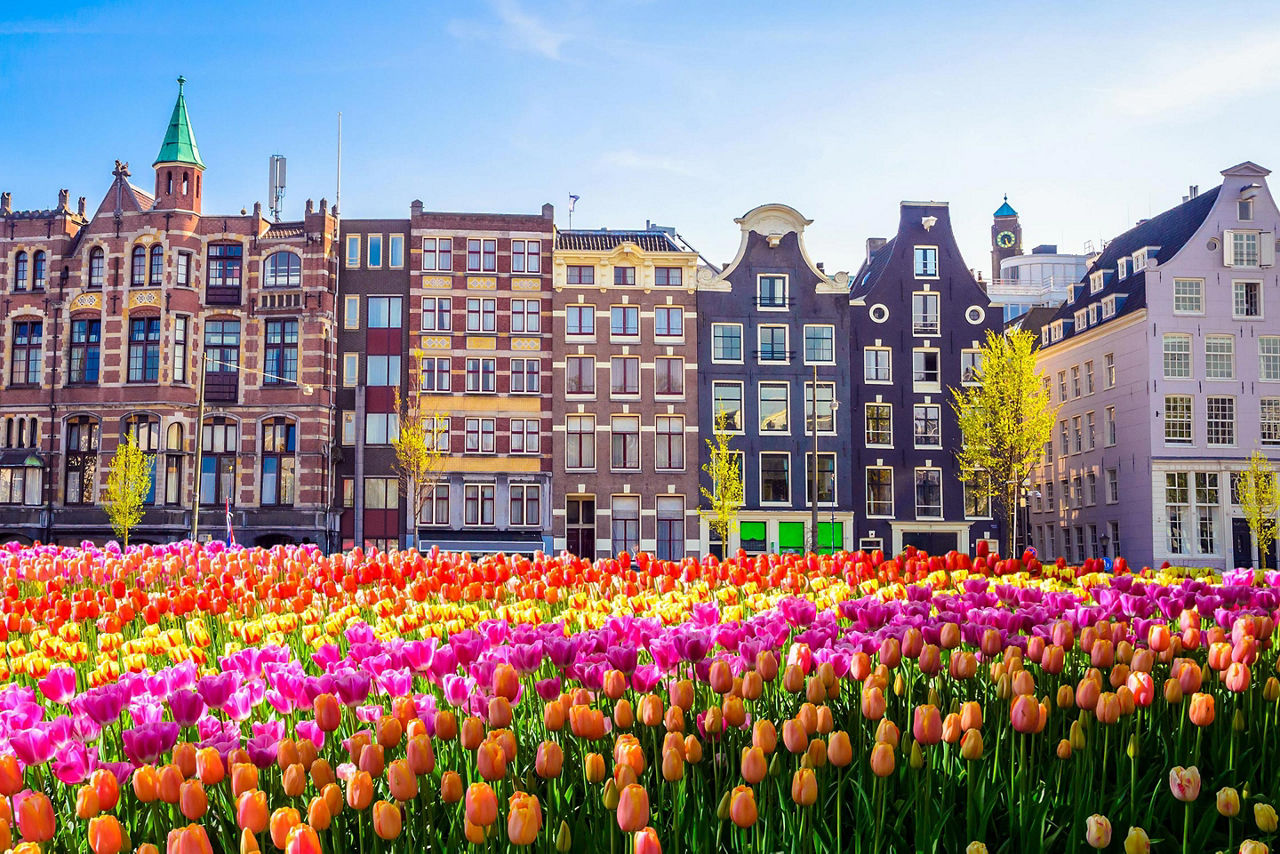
x,y
86,338
773,343
1064,434
1244,210
772,292
819,344
221,445
1075,381
726,342
775,478
437,437
1113,486
381,493
726,403
138,267
668,376
144,350
381,428
1109,370
624,275
351,312
580,275
20,271
924,313
1095,282
880,491
180,324
395,250
526,314
970,366
624,321
879,424
826,477
436,509
479,436
580,442
1243,249
283,270
279,443
526,499
1088,377
928,425
526,435
877,364
1048,496
977,496
579,375
375,250
668,277
437,314
924,364
1247,300
1062,386
382,371
926,261
775,407
670,522
1207,500
1109,426
1077,491
928,493
437,254
222,358
436,374
225,266
98,265
526,256
1122,268
1270,420
526,376
1077,435
1177,357
39,270
1269,357
184,269
82,460
350,369
1108,309
280,364
477,503
1177,419
668,322
1221,420
384,312
482,255
624,442
1090,489
482,314
20,485
1188,296
826,407
1176,498
1219,357
669,440
580,320
624,375
27,354
482,374
626,523
348,428
353,250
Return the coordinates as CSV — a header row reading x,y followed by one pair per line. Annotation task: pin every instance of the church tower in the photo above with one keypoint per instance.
x,y
179,169
1006,236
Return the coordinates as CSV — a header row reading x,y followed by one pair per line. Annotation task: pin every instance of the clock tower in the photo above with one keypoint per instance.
x,y
1006,236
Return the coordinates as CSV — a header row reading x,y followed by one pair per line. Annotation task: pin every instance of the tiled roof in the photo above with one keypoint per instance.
x,y
869,274
145,199
1033,319
1170,231
278,230
604,240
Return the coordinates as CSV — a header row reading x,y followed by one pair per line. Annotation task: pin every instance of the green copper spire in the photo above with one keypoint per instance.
x,y
1005,210
179,142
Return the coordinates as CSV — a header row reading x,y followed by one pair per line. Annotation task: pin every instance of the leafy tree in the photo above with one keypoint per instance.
x,y
1005,421
129,480
1260,503
725,471
421,448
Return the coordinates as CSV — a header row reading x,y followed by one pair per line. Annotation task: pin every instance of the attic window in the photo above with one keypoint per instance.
x,y
1082,319
1095,282
1244,210
1122,268
1044,339
1093,314
1108,307
1055,332
1139,260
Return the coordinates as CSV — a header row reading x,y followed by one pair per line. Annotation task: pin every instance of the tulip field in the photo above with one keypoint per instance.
x,y
188,698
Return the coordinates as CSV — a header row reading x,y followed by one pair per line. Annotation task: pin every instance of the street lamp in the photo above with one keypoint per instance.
x,y
835,482
1105,541
34,461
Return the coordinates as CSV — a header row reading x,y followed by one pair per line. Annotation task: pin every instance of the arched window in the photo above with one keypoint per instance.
x,y
97,267
86,349
39,269
144,349
145,430
157,265
283,270
82,459
174,453
221,441
185,184
138,270
20,272
279,444
169,178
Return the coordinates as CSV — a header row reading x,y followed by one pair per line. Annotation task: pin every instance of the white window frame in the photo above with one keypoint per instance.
x,y
926,385
1235,285
786,292
1210,357
760,428
742,401
941,514
1210,421
434,254
1192,289
920,325
1269,358
741,354
1183,352
867,492
581,309
1190,421
920,253
786,344
809,326
888,352
351,312
374,240
668,336
760,478
1095,282
866,425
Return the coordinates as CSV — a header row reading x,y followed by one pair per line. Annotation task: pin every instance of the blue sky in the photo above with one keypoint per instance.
x,y
1089,115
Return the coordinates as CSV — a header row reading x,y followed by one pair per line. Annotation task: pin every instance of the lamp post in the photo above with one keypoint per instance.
x,y
33,461
813,540
1105,542
835,482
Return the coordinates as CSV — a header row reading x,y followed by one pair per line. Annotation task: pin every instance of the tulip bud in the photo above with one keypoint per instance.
x,y
1097,831
609,796
1077,736
976,848
564,838
971,745
1064,749
722,809
1264,816
1135,746
1228,802
1137,842
1237,721
1250,846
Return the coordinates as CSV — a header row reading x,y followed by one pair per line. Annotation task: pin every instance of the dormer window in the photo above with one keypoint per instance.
x,y
1055,332
1093,314
1139,260
1044,337
1095,282
1082,319
1122,268
1244,210
1108,307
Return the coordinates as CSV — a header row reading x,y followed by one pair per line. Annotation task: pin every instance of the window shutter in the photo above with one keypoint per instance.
x,y
1267,248
1228,242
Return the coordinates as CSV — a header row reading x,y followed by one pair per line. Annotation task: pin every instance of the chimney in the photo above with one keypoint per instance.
x,y
64,198
548,211
821,268
1193,191
257,210
311,207
80,206
6,204
324,206
415,207
874,245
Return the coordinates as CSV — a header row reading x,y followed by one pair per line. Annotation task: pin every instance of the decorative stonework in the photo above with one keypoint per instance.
x,y
482,283
481,343
525,284
526,344
138,299
445,282
438,342
87,300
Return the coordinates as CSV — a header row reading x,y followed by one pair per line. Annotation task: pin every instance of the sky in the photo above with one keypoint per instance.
x,y
688,114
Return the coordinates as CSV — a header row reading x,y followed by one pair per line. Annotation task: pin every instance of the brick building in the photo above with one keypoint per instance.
x,y
626,394
108,319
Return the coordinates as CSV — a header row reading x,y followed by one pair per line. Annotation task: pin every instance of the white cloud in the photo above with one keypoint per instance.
x,y
520,29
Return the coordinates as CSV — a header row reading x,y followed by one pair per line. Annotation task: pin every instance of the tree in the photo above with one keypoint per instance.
x,y
421,447
1005,421
724,468
129,481
1260,503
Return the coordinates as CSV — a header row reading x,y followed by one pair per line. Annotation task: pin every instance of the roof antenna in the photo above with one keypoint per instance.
x,y
573,200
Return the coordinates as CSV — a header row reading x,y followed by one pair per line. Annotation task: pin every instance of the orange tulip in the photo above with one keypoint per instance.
x,y
764,735
1201,709
595,769
742,806
1236,677
11,778
360,790
500,714
887,731
192,800
681,694
873,703
106,836
491,761
623,715
506,681
754,765
633,808
328,712
647,842
387,821
420,755
294,780
401,780
390,731
552,716
651,711
524,818
107,786
673,764
318,815
927,725
184,756
251,811
840,749
146,784
1108,708
882,759
86,802
794,736
282,821
446,725
170,784
692,750
482,805
971,745
287,753
191,839
450,787
333,799
804,787
302,839
549,760
35,818
1025,713
372,760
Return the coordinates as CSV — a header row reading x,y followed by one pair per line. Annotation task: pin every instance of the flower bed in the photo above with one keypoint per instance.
x,y
206,699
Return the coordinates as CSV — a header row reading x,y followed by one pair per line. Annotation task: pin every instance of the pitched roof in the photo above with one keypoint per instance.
x,y
277,230
179,144
1033,319
603,240
1169,231
1006,209
869,273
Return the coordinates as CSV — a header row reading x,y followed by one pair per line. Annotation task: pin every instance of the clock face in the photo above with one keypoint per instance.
x,y
1004,239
